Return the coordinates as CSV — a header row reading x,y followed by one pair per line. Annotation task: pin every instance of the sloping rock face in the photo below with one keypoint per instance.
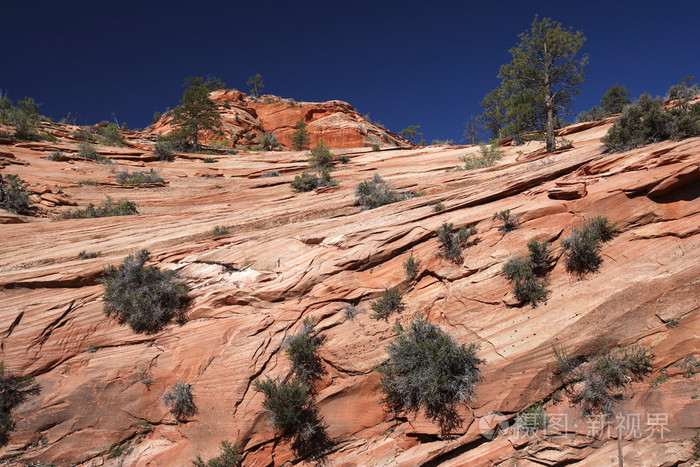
x,y
245,118
289,256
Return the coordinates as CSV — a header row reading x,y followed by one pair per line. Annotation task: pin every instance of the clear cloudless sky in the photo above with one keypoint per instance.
x,y
404,62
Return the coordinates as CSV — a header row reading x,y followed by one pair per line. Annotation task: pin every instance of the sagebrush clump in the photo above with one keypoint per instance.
x,y
139,178
510,221
144,297
302,351
13,391
389,301
428,370
376,192
108,208
452,243
411,266
582,247
596,383
180,400
230,457
487,157
13,194
309,182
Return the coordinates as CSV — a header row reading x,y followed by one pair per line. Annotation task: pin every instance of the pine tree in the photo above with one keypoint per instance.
x,y
256,85
539,83
615,99
411,132
300,138
196,113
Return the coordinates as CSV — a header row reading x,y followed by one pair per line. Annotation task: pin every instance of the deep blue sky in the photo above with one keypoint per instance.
x,y
405,62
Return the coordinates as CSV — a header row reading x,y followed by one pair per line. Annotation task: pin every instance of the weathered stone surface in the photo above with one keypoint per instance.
x,y
288,256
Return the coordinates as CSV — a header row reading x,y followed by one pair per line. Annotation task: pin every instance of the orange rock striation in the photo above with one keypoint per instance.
x,y
289,256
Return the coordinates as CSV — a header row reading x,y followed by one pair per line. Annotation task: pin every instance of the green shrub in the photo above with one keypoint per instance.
x,y
13,194
25,119
308,182
527,287
57,156
230,457
439,206
220,230
138,178
683,91
350,311
108,208
89,182
320,157
144,297
88,255
271,173
13,391
696,446
164,150
343,158
593,115
531,420
180,400
510,221
268,141
209,160
427,369
488,157
648,121
87,151
582,247
302,351
689,366
376,192
388,302
452,243
596,384
111,135
539,256
294,415
375,147
411,266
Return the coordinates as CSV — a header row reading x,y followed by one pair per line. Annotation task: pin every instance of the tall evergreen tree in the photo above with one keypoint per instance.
x,y
615,99
540,82
196,113
300,138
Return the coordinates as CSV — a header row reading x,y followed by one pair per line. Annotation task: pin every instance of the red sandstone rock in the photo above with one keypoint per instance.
x,y
290,255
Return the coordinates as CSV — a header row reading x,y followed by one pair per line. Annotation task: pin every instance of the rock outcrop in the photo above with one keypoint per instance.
x,y
245,118
288,256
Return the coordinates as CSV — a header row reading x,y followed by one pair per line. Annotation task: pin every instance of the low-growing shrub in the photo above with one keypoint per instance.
x,y
271,173
320,157
220,230
388,302
138,178
439,206
144,297
88,255
648,121
375,147
597,383
111,135
376,192
108,208
230,457
452,243
13,194
350,311
582,247
308,182
411,266
180,400
89,182
539,256
164,150
510,221
343,158
209,160
302,351
531,420
57,156
427,369
268,141
87,151
527,287
13,391
294,415
487,157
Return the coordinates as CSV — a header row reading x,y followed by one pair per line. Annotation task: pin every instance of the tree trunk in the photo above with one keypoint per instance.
x,y
549,104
